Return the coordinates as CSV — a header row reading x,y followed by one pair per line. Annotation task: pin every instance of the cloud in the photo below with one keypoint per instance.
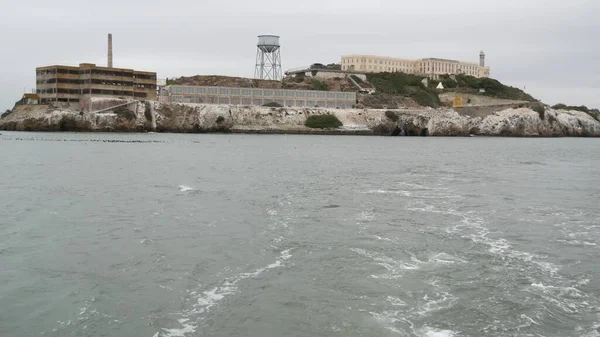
x,y
548,46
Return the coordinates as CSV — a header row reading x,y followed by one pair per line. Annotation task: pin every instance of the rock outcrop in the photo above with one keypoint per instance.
x,y
177,117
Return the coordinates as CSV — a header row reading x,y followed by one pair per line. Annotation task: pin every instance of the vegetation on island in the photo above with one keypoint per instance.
x,y
319,85
405,85
414,86
594,113
323,122
490,86
540,109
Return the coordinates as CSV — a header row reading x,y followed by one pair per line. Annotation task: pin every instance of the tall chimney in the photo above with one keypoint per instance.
x,y
110,63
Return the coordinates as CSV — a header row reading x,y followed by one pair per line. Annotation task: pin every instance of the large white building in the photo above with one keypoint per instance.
x,y
430,67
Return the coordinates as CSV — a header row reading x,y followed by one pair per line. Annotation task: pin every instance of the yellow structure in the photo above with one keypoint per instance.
x,y
458,102
429,67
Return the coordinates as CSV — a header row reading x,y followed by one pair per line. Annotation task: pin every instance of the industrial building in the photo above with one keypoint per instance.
x,y
59,83
254,96
429,67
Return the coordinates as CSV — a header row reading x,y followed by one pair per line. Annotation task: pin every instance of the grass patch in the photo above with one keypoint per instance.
x,y
393,83
426,98
405,85
323,122
318,85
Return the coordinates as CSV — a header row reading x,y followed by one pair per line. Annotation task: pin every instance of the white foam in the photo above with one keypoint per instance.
x,y
441,301
365,216
445,258
184,188
431,332
531,320
211,298
396,301
186,329
382,191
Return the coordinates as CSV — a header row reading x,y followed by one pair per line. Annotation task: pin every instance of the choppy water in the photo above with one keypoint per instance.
x,y
232,235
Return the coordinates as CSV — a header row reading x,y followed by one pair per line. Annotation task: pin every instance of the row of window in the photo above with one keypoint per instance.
x,y
192,90
95,72
399,65
375,61
92,91
380,68
96,81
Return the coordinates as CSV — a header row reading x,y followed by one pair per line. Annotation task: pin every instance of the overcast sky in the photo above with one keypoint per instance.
x,y
551,47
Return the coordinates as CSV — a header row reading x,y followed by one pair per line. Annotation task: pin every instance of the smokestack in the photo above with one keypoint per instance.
x,y
110,63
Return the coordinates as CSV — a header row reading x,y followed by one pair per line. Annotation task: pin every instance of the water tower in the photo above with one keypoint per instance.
x,y
268,58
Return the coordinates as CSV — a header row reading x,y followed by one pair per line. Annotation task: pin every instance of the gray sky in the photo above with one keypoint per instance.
x,y
549,46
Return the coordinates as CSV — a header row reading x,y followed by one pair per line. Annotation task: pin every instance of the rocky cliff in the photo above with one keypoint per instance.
x,y
167,117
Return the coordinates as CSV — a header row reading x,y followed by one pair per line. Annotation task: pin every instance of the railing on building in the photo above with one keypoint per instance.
x,y
254,96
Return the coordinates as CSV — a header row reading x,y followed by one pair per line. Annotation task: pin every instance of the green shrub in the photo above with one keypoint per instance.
x,y
393,83
492,88
318,85
449,83
391,116
323,122
273,105
540,109
426,98
581,108
5,114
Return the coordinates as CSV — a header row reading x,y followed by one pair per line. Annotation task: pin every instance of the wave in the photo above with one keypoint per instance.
x,y
394,268
185,188
431,332
382,191
208,299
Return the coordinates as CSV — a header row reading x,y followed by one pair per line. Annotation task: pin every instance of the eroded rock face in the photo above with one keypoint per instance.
x,y
177,117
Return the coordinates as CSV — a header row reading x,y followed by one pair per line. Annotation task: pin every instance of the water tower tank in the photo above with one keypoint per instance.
x,y
268,58
268,43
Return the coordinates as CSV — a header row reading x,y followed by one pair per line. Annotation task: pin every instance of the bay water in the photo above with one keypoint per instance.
x,y
273,235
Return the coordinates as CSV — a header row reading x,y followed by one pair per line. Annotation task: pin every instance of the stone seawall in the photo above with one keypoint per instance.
x,y
177,117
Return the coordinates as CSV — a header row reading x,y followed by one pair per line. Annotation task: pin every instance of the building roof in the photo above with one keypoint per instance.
x,y
91,65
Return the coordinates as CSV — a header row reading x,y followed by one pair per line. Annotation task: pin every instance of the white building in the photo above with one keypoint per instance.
x,y
430,67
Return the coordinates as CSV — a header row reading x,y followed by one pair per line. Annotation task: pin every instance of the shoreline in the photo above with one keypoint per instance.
x,y
145,117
